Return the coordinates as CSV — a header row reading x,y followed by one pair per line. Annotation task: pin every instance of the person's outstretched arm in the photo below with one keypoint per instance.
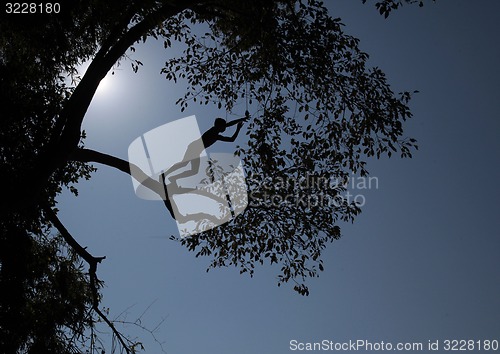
x,y
233,137
236,121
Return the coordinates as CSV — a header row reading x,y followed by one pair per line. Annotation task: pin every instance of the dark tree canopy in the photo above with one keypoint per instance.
x,y
319,111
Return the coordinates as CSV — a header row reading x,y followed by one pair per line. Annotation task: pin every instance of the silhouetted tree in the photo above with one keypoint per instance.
x,y
321,111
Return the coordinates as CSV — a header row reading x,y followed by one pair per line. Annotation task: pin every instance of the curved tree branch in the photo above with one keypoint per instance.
x,y
59,150
105,59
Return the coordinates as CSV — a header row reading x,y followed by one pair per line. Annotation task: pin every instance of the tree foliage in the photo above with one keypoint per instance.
x,y
322,111
319,112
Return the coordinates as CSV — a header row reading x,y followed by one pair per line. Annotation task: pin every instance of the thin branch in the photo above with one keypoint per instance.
x,y
121,319
92,262
127,344
81,251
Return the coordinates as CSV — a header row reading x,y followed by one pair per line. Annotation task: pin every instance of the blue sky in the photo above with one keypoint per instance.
x,y
421,261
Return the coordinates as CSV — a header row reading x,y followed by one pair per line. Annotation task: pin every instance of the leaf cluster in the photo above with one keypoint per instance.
x,y
385,7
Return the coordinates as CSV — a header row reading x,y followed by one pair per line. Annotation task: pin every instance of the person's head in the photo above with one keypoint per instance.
x,y
220,124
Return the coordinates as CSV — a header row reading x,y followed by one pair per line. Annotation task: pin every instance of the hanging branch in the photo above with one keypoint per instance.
x,y
92,262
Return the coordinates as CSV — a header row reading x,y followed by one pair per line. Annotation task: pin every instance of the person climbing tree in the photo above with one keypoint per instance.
x,y
194,149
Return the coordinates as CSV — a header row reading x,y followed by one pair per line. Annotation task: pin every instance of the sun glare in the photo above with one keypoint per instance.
x,y
105,85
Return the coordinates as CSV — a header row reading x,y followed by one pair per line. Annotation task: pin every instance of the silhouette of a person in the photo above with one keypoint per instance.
x,y
194,149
